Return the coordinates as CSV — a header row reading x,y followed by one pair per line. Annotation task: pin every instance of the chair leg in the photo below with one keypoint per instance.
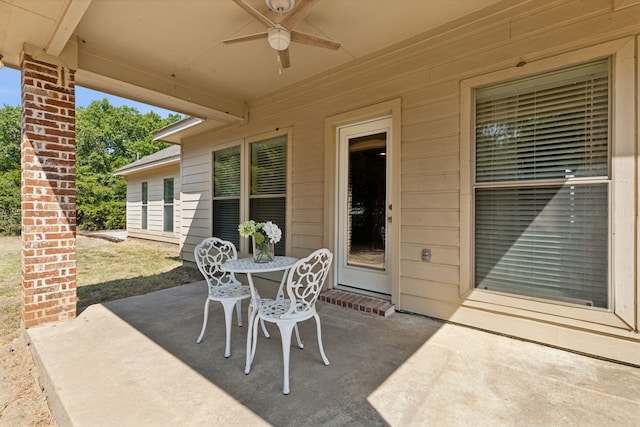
x,y
285,333
300,344
228,319
254,343
252,317
264,328
324,356
204,322
239,312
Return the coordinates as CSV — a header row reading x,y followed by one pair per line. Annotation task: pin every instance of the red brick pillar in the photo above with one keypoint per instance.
x,y
48,193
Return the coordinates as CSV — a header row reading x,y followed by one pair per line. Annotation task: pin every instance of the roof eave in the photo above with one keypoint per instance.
x,y
164,162
172,132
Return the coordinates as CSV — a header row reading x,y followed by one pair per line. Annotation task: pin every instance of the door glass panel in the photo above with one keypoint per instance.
x,y
366,201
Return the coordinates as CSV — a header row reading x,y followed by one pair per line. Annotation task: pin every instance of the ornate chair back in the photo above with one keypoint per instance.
x,y
305,282
210,254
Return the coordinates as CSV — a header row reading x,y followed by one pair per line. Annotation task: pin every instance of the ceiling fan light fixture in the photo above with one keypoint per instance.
x,y
279,38
280,6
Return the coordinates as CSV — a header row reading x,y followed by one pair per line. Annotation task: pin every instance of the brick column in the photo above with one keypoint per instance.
x,y
48,193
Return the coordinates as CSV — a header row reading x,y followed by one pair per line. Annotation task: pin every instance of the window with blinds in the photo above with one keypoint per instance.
x,y
542,186
145,206
267,184
226,194
168,205
267,197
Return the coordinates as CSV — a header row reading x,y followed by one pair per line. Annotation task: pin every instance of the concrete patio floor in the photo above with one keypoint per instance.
x,y
134,362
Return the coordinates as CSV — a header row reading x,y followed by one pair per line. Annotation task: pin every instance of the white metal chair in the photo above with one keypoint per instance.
x,y
304,283
223,286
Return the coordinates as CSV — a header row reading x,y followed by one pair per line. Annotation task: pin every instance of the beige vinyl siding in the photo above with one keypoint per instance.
x,y
425,75
134,203
155,179
196,198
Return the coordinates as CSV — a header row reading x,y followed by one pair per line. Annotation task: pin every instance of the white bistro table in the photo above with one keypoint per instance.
x,y
248,266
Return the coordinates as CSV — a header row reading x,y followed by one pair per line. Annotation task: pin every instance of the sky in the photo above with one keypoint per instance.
x,y
10,95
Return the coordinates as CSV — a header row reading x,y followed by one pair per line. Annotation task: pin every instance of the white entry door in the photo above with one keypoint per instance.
x,y
364,209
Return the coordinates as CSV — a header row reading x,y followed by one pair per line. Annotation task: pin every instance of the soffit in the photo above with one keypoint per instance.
x,y
173,50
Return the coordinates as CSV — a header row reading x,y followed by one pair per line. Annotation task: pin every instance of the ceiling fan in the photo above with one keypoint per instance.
x,y
281,34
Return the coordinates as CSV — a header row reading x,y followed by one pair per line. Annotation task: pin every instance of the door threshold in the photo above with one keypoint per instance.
x,y
358,302
365,292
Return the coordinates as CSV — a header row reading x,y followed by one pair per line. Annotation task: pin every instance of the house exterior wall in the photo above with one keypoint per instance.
x,y
155,210
427,77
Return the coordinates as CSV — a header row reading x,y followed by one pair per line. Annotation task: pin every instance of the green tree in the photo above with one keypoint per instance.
x,y
10,202
9,138
107,138
9,170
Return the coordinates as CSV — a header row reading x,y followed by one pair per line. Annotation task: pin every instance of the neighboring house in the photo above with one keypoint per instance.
x,y
153,196
483,171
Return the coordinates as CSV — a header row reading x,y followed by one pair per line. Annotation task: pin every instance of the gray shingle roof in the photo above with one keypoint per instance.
x,y
168,155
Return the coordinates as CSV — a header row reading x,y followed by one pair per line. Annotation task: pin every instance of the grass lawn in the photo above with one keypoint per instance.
x,y
106,271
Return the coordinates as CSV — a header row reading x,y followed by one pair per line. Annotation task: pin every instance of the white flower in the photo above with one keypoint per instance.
x,y
273,231
260,231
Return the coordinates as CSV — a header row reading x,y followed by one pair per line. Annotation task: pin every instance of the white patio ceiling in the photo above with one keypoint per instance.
x,y
170,52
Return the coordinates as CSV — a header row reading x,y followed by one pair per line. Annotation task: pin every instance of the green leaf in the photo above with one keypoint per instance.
x,y
259,238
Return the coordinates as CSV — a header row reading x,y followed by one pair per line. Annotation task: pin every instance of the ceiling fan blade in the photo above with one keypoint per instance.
x,y
250,37
299,12
284,58
253,12
311,40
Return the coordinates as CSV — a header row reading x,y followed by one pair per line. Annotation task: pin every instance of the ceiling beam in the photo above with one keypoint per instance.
x,y
65,26
101,71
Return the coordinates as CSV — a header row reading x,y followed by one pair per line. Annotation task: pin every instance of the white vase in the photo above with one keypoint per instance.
x,y
264,252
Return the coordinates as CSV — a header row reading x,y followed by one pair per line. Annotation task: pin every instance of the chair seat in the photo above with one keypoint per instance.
x,y
229,292
272,310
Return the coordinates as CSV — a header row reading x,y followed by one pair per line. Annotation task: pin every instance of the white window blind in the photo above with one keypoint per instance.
x,y
542,186
269,167
226,194
269,184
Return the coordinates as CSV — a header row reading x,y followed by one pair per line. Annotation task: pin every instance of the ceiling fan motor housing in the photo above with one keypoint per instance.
x,y
279,37
280,6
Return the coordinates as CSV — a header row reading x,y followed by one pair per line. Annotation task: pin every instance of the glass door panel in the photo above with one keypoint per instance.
x,y
366,200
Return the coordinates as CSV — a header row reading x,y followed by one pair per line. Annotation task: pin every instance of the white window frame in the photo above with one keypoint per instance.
x,y
622,220
241,149
166,204
245,182
144,205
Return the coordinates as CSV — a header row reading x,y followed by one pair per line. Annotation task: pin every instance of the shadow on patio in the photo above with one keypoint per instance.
x,y
135,362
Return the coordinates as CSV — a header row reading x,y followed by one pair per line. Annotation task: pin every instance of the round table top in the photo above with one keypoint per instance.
x,y
248,265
